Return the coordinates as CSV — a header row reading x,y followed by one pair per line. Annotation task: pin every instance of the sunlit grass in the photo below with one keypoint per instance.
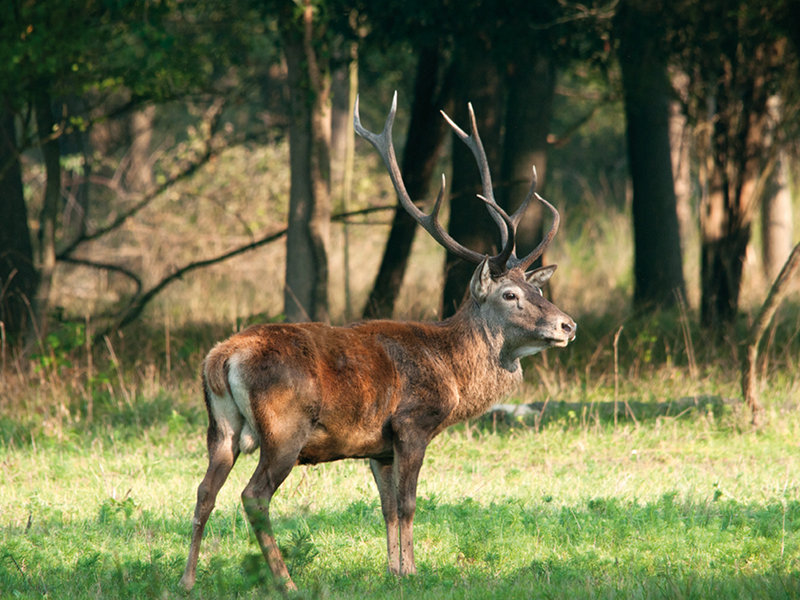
x,y
693,505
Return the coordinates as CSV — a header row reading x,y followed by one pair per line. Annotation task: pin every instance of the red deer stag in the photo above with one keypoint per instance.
x,y
309,393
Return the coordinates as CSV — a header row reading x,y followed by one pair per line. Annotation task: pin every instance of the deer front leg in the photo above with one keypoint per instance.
x,y
384,479
407,464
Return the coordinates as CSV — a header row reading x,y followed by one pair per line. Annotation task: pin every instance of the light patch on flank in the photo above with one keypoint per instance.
x,y
226,415
248,440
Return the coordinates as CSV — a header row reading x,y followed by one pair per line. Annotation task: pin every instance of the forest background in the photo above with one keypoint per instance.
x,y
173,171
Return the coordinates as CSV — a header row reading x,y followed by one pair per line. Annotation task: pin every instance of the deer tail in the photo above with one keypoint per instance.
x,y
228,401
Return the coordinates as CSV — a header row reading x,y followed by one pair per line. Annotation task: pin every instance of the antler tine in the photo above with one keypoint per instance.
x,y
383,144
503,261
474,143
525,262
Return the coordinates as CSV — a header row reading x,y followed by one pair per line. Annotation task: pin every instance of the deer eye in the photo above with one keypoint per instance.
x,y
509,296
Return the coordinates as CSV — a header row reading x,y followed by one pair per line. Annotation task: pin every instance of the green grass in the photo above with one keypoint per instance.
x,y
689,505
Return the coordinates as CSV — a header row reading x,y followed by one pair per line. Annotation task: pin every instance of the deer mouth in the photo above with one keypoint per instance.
x,y
560,342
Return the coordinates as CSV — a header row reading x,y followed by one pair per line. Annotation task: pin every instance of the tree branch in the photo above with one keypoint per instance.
x,y
141,300
774,298
107,267
210,119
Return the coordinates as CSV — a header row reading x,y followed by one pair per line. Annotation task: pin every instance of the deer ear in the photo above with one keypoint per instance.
x,y
481,282
539,277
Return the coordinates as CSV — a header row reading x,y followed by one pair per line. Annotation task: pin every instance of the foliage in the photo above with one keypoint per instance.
x,y
153,49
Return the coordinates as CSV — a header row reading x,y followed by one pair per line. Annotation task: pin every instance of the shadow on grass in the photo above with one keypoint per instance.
x,y
126,421
113,418
599,548
535,414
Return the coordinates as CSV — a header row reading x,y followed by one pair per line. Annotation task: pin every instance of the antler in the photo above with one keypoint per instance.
x,y
507,258
526,261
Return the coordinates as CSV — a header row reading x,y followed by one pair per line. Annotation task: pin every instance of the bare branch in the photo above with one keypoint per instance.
x,y
107,267
138,304
141,300
210,120
774,298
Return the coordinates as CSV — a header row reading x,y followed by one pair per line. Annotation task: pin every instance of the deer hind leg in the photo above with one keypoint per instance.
x,y
280,447
223,450
384,479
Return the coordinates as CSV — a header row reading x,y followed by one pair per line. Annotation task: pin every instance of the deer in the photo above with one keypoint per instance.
x,y
307,393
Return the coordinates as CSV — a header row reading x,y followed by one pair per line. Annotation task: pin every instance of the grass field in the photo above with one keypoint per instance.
x,y
684,501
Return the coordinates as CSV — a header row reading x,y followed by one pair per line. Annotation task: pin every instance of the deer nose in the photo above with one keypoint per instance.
x,y
569,327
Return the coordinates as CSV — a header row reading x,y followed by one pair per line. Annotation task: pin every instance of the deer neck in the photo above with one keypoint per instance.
x,y
482,375
489,335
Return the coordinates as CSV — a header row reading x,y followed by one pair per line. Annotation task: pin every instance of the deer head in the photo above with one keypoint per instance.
x,y
507,295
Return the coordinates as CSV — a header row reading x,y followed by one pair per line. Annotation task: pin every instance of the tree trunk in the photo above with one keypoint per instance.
x,y
341,116
48,217
732,80
722,252
139,176
344,88
776,218
658,271
306,291
680,143
726,214
529,110
426,134
18,276
736,160
776,209
477,81
76,178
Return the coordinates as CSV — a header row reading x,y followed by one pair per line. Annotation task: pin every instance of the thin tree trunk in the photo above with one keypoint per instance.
x,y
722,255
477,81
306,291
725,225
679,142
139,176
658,270
48,217
776,209
341,117
529,110
426,134
343,155
776,218
776,294
76,180
733,191
18,276
738,90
